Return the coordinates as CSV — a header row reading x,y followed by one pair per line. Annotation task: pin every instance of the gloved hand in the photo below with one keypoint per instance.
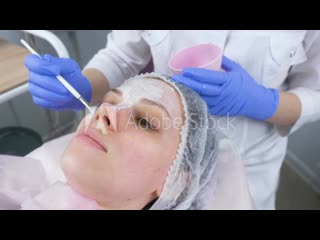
x,y
47,91
233,93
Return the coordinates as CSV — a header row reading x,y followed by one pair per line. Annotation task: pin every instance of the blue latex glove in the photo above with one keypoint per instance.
x,y
47,91
231,93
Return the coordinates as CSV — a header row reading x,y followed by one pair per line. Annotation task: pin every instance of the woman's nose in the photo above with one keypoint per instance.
x,y
109,117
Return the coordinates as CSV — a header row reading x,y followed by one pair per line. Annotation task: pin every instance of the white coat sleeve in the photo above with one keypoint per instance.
x,y
304,81
125,55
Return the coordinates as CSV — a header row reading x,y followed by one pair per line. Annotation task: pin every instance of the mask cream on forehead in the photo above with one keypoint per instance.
x,y
136,89
153,89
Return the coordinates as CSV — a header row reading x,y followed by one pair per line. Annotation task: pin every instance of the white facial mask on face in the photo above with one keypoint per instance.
x,y
136,89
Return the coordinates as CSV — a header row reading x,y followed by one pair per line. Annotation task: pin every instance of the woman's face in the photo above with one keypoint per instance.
x,y
120,156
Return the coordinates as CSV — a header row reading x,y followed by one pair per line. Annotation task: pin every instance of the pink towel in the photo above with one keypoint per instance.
x,y
60,196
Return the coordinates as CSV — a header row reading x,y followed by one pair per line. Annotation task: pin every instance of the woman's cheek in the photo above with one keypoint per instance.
x,y
140,149
144,169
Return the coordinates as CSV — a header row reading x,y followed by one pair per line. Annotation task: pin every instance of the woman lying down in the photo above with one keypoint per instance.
x,y
150,145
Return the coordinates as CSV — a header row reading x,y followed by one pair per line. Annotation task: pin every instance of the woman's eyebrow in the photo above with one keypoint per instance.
x,y
149,102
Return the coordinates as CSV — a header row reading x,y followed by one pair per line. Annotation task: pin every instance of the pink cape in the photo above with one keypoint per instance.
x,y
24,185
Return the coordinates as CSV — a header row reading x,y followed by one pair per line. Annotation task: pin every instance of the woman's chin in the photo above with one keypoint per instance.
x,y
74,173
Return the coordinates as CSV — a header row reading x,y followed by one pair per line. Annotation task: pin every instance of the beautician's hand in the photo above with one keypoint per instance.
x,y
233,93
47,91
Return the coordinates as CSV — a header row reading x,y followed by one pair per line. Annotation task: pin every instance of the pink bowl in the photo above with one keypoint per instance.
x,y
208,56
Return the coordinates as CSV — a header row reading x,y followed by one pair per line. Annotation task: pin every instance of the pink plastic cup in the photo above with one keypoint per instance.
x,y
208,56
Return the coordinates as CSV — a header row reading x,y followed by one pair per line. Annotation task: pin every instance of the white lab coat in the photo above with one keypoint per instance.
x,y
286,60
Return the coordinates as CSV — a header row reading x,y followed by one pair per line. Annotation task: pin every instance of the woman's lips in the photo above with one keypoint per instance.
x,y
92,138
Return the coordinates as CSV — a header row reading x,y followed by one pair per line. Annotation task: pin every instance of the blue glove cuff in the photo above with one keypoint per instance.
x,y
269,106
274,102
